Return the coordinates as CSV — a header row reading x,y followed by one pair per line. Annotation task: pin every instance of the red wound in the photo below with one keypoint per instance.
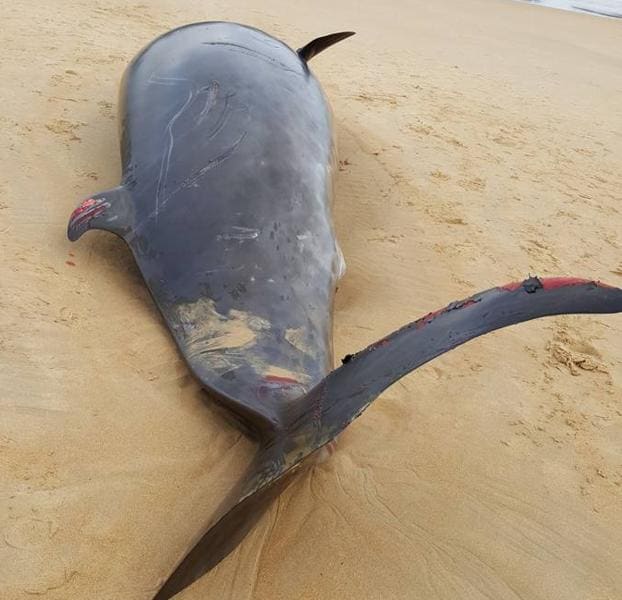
x,y
511,287
548,283
87,210
552,283
83,207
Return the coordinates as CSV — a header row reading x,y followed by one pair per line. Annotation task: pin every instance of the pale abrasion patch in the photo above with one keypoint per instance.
x,y
221,343
321,455
296,337
206,331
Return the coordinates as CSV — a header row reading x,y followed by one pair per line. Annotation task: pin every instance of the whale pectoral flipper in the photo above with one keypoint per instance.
x,y
111,210
342,396
316,46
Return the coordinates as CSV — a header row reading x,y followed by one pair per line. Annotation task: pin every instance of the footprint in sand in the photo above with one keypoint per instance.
x,y
577,355
440,176
475,185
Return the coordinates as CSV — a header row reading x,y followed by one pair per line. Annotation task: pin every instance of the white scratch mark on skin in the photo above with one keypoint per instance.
x,y
254,53
166,80
192,180
221,269
162,198
222,120
215,162
166,159
239,233
210,101
301,237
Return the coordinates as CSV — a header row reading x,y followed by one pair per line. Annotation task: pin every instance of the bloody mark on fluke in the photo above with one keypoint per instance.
x,y
423,321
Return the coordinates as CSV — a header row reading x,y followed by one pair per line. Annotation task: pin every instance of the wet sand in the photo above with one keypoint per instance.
x,y
602,8
479,142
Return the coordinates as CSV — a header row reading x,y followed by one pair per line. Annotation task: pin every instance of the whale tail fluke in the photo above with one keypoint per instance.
x,y
265,479
346,392
325,411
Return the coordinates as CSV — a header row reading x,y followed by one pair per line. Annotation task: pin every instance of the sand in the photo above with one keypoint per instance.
x,y
479,142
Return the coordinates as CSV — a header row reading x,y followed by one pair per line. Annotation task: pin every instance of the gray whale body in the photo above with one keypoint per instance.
x,y
228,160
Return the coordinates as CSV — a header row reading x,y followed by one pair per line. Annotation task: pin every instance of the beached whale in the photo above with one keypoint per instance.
x,y
225,202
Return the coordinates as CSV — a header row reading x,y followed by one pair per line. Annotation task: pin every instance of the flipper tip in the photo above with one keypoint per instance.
x,y
81,217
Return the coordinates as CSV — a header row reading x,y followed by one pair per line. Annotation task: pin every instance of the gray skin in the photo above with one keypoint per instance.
x,y
228,159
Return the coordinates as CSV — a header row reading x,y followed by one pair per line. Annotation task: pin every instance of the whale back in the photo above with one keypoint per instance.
x,y
228,157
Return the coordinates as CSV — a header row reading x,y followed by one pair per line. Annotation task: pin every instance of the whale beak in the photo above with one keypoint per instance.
x,y
81,217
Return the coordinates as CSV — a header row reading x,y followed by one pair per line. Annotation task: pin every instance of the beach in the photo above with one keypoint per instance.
x,y
479,142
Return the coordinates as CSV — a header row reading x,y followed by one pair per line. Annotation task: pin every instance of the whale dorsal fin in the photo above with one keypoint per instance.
x,y
318,44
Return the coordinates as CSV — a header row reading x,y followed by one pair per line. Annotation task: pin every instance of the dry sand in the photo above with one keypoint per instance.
x,y
479,141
